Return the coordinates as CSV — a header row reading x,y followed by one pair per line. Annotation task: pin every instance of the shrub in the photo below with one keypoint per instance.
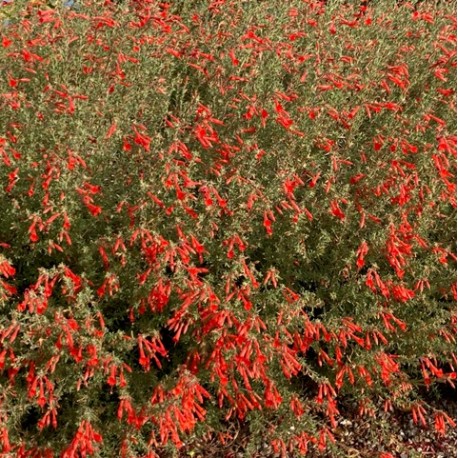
x,y
223,211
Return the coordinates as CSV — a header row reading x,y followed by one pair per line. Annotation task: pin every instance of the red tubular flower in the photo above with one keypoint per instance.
x,y
402,294
336,210
361,253
6,269
267,224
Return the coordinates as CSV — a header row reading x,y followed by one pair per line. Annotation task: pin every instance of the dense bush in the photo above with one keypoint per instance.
x,y
220,211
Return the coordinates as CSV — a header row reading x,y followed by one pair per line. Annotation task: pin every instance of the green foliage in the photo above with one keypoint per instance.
x,y
219,212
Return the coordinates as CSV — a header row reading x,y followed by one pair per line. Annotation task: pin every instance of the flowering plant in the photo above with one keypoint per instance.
x,y
221,210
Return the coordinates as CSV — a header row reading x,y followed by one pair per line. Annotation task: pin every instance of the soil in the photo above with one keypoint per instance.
x,y
356,437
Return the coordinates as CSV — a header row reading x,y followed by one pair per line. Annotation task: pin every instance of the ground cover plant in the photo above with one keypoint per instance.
x,y
219,212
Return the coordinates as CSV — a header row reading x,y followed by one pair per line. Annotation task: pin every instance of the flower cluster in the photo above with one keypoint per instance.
x,y
218,211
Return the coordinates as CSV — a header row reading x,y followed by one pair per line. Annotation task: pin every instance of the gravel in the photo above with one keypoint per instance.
x,y
356,437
